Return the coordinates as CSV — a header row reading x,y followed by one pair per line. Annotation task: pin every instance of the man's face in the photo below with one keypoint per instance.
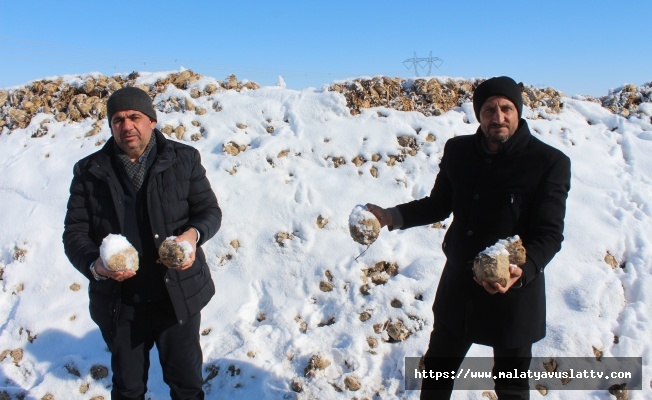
x,y
132,130
498,120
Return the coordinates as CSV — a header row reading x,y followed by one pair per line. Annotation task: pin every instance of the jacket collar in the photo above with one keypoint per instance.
x,y
165,151
514,145
101,162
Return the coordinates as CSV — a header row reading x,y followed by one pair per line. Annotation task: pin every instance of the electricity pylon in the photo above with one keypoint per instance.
x,y
417,63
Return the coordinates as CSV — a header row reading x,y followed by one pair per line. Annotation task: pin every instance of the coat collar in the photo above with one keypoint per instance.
x,y
105,154
165,153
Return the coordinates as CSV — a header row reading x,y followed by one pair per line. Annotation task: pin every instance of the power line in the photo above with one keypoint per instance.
x,y
417,63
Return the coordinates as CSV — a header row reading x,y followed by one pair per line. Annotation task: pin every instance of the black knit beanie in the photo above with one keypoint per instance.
x,y
130,98
498,86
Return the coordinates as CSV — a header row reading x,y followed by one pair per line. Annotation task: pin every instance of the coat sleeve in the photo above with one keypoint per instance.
x,y
435,207
205,213
545,228
77,242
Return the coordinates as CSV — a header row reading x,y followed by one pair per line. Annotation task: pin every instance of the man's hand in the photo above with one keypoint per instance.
x,y
189,236
515,274
119,276
383,215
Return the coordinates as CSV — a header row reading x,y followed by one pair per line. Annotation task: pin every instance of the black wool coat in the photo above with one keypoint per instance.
x,y
179,196
521,190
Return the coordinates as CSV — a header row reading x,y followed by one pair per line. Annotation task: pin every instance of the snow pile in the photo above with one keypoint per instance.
x,y
630,100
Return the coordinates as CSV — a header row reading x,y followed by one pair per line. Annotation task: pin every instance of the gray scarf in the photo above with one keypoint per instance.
x,y
136,170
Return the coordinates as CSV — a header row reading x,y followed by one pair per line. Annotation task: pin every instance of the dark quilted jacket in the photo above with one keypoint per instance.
x,y
179,196
521,190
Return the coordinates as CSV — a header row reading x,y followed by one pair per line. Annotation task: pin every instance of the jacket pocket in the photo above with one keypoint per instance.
x,y
104,298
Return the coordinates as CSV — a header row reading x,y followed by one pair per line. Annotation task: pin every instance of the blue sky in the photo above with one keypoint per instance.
x,y
576,46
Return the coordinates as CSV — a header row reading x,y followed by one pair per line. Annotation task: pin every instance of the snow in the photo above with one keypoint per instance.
x,y
269,316
496,249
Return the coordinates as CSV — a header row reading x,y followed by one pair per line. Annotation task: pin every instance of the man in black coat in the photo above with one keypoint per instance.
x,y
499,182
146,188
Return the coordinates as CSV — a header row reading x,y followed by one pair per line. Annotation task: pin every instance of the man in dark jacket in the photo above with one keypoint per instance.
x,y
146,188
499,182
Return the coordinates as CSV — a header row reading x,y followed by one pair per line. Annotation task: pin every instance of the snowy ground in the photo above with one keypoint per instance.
x,y
274,256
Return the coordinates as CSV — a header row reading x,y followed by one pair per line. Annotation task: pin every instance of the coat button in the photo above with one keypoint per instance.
x,y
476,196
469,233
156,236
167,280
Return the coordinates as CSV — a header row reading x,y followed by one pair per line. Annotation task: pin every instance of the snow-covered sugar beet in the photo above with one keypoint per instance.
x,y
515,248
174,254
492,264
118,254
363,225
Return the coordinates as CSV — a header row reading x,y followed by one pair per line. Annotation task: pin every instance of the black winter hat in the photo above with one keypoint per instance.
x,y
498,86
130,98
